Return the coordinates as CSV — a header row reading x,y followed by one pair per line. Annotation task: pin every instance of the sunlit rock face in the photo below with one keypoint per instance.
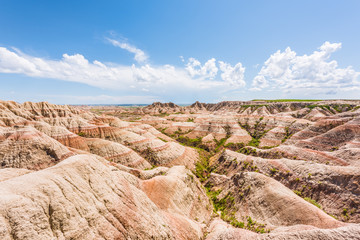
x,y
231,170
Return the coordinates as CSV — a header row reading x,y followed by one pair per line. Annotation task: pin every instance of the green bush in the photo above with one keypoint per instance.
x,y
254,142
192,142
273,171
81,134
202,166
219,143
234,146
312,201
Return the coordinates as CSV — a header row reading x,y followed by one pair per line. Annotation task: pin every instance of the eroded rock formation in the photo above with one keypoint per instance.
x,y
231,170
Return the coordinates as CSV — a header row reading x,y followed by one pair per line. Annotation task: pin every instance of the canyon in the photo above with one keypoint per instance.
x,y
259,169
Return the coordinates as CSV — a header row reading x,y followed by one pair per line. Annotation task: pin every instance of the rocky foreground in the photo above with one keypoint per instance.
x,y
232,170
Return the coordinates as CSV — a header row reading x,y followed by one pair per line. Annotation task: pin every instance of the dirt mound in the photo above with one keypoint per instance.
x,y
265,200
333,188
84,197
26,147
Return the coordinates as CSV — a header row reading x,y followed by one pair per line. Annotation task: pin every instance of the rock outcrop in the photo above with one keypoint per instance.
x,y
230,170
84,197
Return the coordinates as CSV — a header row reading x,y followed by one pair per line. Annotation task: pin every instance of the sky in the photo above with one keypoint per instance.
x,y
138,52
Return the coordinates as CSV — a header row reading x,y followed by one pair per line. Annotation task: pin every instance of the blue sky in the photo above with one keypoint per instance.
x,y
77,52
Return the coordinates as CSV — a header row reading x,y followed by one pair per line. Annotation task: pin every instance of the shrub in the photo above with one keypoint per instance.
x,y
219,143
312,201
150,155
192,142
345,212
297,193
254,142
162,139
202,166
273,171
81,134
227,129
234,146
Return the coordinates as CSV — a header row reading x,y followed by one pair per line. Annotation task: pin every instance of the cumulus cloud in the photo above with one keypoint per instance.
x,y
233,75
208,70
284,70
154,79
140,56
288,71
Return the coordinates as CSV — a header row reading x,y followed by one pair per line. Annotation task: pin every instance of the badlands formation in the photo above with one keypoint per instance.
x,y
231,170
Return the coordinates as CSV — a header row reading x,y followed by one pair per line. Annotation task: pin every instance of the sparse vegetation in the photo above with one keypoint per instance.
x,y
334,149
247,151
226,207
297,193
273,171
202,167
81,134
150,155
227,129
254,142
287,100
162,139
256,132
234,146
334,108
345,214
192,142
162,114
219,143
152,167
312,201
288,134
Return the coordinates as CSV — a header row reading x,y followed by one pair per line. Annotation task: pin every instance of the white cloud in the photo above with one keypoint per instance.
x,y
140,56
161,79
259,83
287,71
208,70
233,75
284,70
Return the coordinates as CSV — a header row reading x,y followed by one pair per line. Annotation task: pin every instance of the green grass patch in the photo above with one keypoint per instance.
x,y
192,142
273,171
247,151
234,146
219,143
81,134
202,166
225,206
312,201
162,139
254,142
287,100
